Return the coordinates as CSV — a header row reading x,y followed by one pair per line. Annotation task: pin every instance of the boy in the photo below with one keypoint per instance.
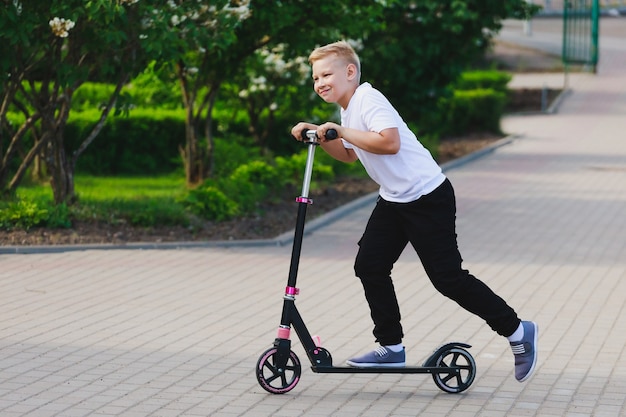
x,y
416,205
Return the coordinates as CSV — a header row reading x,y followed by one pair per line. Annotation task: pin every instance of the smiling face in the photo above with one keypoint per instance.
x,y
334,79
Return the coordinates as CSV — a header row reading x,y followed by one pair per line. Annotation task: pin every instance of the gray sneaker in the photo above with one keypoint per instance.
x,y
379,357
525,351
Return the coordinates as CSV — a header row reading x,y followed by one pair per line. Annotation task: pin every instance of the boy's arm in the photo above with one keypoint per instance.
x,y
387,142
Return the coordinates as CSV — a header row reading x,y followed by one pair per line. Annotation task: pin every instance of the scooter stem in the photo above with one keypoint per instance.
x,y
303,202
308,170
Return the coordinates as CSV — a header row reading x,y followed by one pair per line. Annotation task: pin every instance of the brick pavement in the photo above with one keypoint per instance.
x,y
178,332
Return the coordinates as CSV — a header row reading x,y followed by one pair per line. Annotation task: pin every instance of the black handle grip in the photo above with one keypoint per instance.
x,y
330,134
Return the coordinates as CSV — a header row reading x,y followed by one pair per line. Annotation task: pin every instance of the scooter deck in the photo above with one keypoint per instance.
x,y
383,370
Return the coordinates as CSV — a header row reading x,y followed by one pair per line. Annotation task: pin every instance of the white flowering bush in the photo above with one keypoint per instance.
x,y
51,47
103,39
61,27
273,90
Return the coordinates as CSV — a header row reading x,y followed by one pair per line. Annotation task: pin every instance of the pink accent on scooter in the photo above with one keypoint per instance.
x,y
292,291
283,333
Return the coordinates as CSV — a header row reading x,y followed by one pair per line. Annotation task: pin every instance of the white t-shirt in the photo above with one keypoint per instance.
x,y
405,176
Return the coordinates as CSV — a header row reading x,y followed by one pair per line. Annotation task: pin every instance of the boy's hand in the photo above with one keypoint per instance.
x,y
296,131
322,129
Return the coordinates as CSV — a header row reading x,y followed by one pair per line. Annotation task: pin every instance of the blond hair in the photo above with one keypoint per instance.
x,y
340,49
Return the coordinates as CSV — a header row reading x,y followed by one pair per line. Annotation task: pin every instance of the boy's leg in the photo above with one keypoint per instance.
x,y
432,234
431,229
380,247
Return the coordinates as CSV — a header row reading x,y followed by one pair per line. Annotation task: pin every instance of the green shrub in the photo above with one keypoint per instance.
x,y
22,215
251,183
231,153
145,91
472,111
210,203
59,217
91,96
26,214
291,168
150,90
145,142
474,80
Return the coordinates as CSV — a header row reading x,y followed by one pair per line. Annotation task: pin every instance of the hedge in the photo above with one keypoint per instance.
x,y
144,142
475,80
477,110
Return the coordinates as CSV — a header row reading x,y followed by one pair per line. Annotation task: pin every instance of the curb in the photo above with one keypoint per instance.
x,y
281,240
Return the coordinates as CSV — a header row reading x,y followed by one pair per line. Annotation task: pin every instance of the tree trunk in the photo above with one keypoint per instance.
x,y
197,160
8,186
208,132
192,154
61,170
59,166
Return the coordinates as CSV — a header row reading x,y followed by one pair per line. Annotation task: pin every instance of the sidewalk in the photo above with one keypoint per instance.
x,y
139,333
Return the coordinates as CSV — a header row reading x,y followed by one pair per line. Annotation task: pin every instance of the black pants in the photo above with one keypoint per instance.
x,y
429,224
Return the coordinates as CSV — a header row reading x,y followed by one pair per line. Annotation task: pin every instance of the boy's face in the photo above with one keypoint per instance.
x,y
334,80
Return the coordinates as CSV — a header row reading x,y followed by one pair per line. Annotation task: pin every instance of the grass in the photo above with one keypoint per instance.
x,y
149,202
140,201
91,189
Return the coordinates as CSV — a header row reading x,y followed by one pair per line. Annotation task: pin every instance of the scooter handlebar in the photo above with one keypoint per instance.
x,y
331,134
311,135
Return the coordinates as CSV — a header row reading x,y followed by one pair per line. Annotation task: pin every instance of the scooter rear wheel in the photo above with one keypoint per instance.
x,y
274,377
464,370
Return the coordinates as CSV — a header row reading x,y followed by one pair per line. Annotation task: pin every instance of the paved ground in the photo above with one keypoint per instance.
x,y
178,332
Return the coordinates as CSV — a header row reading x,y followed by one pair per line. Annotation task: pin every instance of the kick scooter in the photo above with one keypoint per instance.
x,y
278,369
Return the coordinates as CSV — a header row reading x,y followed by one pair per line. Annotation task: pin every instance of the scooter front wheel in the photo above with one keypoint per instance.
x,y
459,373
277,374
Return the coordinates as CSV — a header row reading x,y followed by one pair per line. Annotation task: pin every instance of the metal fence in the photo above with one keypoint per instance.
x,y
580,32
557,6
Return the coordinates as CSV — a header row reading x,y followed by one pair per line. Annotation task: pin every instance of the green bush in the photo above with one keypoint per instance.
x,y
91,96
59,217
210,203
248,185
145,91
292,168
145,142
251,183
150,90
474,80
26,214
472,111
23,215
231,153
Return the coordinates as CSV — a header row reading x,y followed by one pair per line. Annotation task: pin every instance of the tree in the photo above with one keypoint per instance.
x,y
273,92
198,35
424,45
51,48
298,25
